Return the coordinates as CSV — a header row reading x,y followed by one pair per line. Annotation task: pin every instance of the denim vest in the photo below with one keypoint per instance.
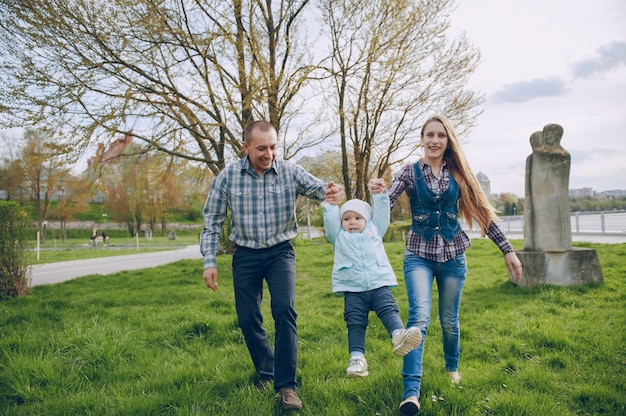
x,y
431,213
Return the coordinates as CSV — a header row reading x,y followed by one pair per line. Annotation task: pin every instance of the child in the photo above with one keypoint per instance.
x,y
362,272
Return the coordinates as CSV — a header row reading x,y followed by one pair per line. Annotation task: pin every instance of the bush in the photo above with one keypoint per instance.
x,y
14,268
397,231
226,244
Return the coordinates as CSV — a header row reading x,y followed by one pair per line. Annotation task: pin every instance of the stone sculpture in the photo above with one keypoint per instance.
x,y
548,256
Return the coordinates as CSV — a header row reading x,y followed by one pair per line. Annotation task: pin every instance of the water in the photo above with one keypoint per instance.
x,y
595,227
596,222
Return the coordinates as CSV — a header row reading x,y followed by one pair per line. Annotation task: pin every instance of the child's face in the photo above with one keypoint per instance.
x,y
353,222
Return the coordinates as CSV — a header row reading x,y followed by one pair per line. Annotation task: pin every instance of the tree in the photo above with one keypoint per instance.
x,y
43,167
71,193
182,76
12,179
509,204
391,65
11,173
14,269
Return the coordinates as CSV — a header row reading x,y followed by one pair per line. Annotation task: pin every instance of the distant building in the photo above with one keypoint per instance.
x,y
581,193
106,166
113,154
615,193
485,183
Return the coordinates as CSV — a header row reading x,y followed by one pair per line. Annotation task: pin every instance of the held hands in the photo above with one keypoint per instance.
x,y
376,185
210,277
513,265
334,193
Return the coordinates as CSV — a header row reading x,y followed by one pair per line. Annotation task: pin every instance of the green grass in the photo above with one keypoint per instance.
x,y
158,342
80,248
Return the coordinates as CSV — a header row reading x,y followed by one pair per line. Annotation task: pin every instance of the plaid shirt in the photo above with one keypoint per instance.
x,y
263,207
438,249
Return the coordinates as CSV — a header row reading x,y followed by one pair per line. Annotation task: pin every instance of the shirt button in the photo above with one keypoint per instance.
x,y
436,212
436,228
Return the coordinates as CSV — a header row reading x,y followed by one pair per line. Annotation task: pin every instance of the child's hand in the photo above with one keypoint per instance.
x,y
376,185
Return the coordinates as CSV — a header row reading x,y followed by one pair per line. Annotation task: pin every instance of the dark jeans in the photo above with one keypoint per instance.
x,y
277,266
357,306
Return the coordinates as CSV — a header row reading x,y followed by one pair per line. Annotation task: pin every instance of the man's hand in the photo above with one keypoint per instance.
x,y
210,277
334,193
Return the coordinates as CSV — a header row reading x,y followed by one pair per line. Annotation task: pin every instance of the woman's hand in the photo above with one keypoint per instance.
x,y
376,185
513,265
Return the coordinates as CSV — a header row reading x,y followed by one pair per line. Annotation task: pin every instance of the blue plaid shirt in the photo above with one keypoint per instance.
x,y
263,207
438,249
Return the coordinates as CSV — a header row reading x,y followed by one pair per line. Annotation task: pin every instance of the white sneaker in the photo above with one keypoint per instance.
x,y
357,367
410,406
405,340
455,377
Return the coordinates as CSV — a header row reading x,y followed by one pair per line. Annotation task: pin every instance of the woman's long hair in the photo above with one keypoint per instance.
x,y
473,203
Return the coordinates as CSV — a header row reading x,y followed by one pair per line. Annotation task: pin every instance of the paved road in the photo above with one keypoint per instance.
x,y
66,270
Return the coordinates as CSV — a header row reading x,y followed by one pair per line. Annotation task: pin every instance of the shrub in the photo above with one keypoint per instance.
x,y
14,268
226,244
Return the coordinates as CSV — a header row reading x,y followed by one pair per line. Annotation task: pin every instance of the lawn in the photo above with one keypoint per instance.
x,y
80,248
158,342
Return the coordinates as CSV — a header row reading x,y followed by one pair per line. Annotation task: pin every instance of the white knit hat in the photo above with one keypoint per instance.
x,y
360,207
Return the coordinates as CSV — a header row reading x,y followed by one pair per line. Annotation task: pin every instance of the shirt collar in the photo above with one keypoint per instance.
x,y
422,164
247,167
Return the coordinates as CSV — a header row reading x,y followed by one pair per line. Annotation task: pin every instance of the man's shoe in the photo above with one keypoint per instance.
x,y
289,399
410,406
357,367
455,377
264,384
405,340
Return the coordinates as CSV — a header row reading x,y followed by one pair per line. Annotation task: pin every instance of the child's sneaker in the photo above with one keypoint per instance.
x,y
455,377
405,340
357,367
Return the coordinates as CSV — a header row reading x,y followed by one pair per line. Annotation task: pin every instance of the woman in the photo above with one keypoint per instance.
x,y
440,187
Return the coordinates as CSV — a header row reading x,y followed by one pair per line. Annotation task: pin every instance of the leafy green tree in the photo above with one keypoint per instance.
x,y
14,269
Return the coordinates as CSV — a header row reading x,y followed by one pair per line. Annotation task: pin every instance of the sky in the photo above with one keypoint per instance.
x,y
544,62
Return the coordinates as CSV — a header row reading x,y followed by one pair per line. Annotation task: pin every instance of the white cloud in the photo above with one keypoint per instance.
x,y
520,92
548,62
611,56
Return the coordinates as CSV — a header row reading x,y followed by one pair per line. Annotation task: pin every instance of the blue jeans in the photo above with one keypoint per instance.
x,y
357,306
419,274
277,266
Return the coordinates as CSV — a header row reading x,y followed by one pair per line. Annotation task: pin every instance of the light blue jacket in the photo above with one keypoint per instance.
x,y
361,263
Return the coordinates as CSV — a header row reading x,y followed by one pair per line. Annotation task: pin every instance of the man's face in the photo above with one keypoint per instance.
x,y
262,149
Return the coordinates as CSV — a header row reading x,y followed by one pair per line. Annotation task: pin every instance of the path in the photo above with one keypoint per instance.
x,y
66,270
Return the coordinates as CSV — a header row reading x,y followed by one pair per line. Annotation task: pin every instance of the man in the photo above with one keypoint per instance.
x,y
260,191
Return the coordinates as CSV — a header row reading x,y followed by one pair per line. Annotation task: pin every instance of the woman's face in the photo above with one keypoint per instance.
x,y
434,141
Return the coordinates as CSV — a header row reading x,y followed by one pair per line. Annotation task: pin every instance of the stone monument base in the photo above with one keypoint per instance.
x,y
580,266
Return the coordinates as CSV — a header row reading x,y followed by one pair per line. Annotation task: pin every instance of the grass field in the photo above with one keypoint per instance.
x,y
80,248
158,342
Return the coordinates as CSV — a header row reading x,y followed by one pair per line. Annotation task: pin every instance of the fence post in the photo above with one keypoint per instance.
x,y
602,223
